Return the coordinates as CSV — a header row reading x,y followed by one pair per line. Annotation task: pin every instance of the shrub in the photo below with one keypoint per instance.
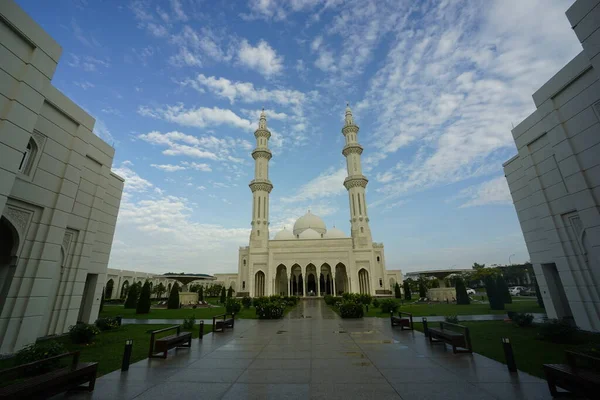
x,y
351,309
557,331
365,299
106,324
230,292
188,323
201,293
40,351
522,320
223,295
328,299
233,306
494,297
83,333
451,319
270,309
397,293
173,302
246,301
461,292
422,289
503,290
388,305
132,297
407,293
143,305
376,303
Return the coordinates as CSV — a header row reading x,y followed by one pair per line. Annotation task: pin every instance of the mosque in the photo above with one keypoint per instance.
x,y
311,260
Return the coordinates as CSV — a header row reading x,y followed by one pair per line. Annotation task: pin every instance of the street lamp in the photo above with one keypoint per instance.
x,y
510,263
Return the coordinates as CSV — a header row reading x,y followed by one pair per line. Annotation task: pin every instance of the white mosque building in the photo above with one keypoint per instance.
x,y
311,260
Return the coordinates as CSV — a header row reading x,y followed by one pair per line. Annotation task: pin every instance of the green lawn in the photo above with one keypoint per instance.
x,y
162,313
523,305
530,353
107,348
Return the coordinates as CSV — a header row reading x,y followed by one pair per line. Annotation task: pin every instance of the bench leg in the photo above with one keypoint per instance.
x,y
92,384
165,353
453,349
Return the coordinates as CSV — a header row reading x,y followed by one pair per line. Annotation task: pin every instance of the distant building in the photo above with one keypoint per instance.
x,y
555,179
59,199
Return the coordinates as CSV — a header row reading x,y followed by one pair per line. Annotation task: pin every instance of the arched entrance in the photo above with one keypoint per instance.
x,y
363,282
9,244
281,282
341,284
109,289
311,280
259,284
124,289
325,280
297,281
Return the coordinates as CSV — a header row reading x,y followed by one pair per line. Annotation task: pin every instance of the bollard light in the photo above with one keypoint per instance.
x,y
127,354
509,355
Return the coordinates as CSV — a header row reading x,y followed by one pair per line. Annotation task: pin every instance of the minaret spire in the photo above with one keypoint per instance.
x,y
356,183
261,186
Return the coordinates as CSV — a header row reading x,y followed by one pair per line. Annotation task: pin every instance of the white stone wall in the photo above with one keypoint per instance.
x,y
555,180
120,276
62,207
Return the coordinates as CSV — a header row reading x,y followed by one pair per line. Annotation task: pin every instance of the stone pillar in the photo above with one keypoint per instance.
x,y
333,285
319,285
304,284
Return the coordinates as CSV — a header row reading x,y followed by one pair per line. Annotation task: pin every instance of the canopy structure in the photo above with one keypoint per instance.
x,y
184,279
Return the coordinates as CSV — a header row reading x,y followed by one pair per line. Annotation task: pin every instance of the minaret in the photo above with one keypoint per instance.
x,y
356,183
261,186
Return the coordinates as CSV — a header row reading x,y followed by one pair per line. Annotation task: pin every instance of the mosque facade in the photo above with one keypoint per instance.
x,y
311,260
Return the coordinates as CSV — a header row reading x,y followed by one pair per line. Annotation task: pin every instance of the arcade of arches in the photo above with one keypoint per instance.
x,y
309,281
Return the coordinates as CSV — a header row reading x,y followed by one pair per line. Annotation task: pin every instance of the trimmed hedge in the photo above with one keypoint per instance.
x,y
389,305
173,302
143,304
351,310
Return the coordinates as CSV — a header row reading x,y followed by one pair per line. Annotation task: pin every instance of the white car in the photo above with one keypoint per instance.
x,y
470,291
516,290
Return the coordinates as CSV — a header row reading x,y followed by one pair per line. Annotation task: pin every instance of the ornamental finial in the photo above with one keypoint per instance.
x,y
262,122
349,119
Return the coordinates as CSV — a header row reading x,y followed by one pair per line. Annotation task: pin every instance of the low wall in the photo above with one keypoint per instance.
x,y
441,294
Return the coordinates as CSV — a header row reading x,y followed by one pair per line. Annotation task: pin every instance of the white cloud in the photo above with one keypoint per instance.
x,y
185,58
87,63
197,166
178,10
262,58
200,117
329,183
493,192
325,61
247,92
102,131
133,182
169,167
201,187
85,85
280,9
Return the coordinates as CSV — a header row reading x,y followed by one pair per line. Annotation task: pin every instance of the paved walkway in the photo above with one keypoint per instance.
x,y
312,353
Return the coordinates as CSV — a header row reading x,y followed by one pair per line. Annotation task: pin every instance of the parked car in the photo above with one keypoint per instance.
x,y
528,292
471,292
517,290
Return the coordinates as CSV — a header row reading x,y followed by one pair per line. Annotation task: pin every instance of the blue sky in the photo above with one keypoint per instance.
x,y
176,86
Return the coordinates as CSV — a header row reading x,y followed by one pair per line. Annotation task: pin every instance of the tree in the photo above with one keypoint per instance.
x,y
397,292
494,297
102,300
143,305
422,288
223,295
173,302
461,292
159,290
132,297
478,266
503,290
201,293
407,293
230,292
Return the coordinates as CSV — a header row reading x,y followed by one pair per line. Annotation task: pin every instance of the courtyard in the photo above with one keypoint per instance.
x,y
312,353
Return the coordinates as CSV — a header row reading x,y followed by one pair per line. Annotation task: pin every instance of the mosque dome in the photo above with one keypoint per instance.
x,y
310,234
334,233
284,234
309,221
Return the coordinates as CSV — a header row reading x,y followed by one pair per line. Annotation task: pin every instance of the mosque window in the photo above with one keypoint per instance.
x,y
377,258
28,157
380,282
257,233
362,230
359,206
244,262
243,284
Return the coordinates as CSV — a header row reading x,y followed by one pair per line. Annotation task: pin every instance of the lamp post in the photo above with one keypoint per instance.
x,y
509,257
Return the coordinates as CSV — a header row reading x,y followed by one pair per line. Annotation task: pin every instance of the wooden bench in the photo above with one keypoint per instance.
x,y
50,383
220,325
580,375
404,322
453,334
160,347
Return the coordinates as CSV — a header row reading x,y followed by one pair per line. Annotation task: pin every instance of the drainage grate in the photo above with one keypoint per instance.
x,y
280,332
